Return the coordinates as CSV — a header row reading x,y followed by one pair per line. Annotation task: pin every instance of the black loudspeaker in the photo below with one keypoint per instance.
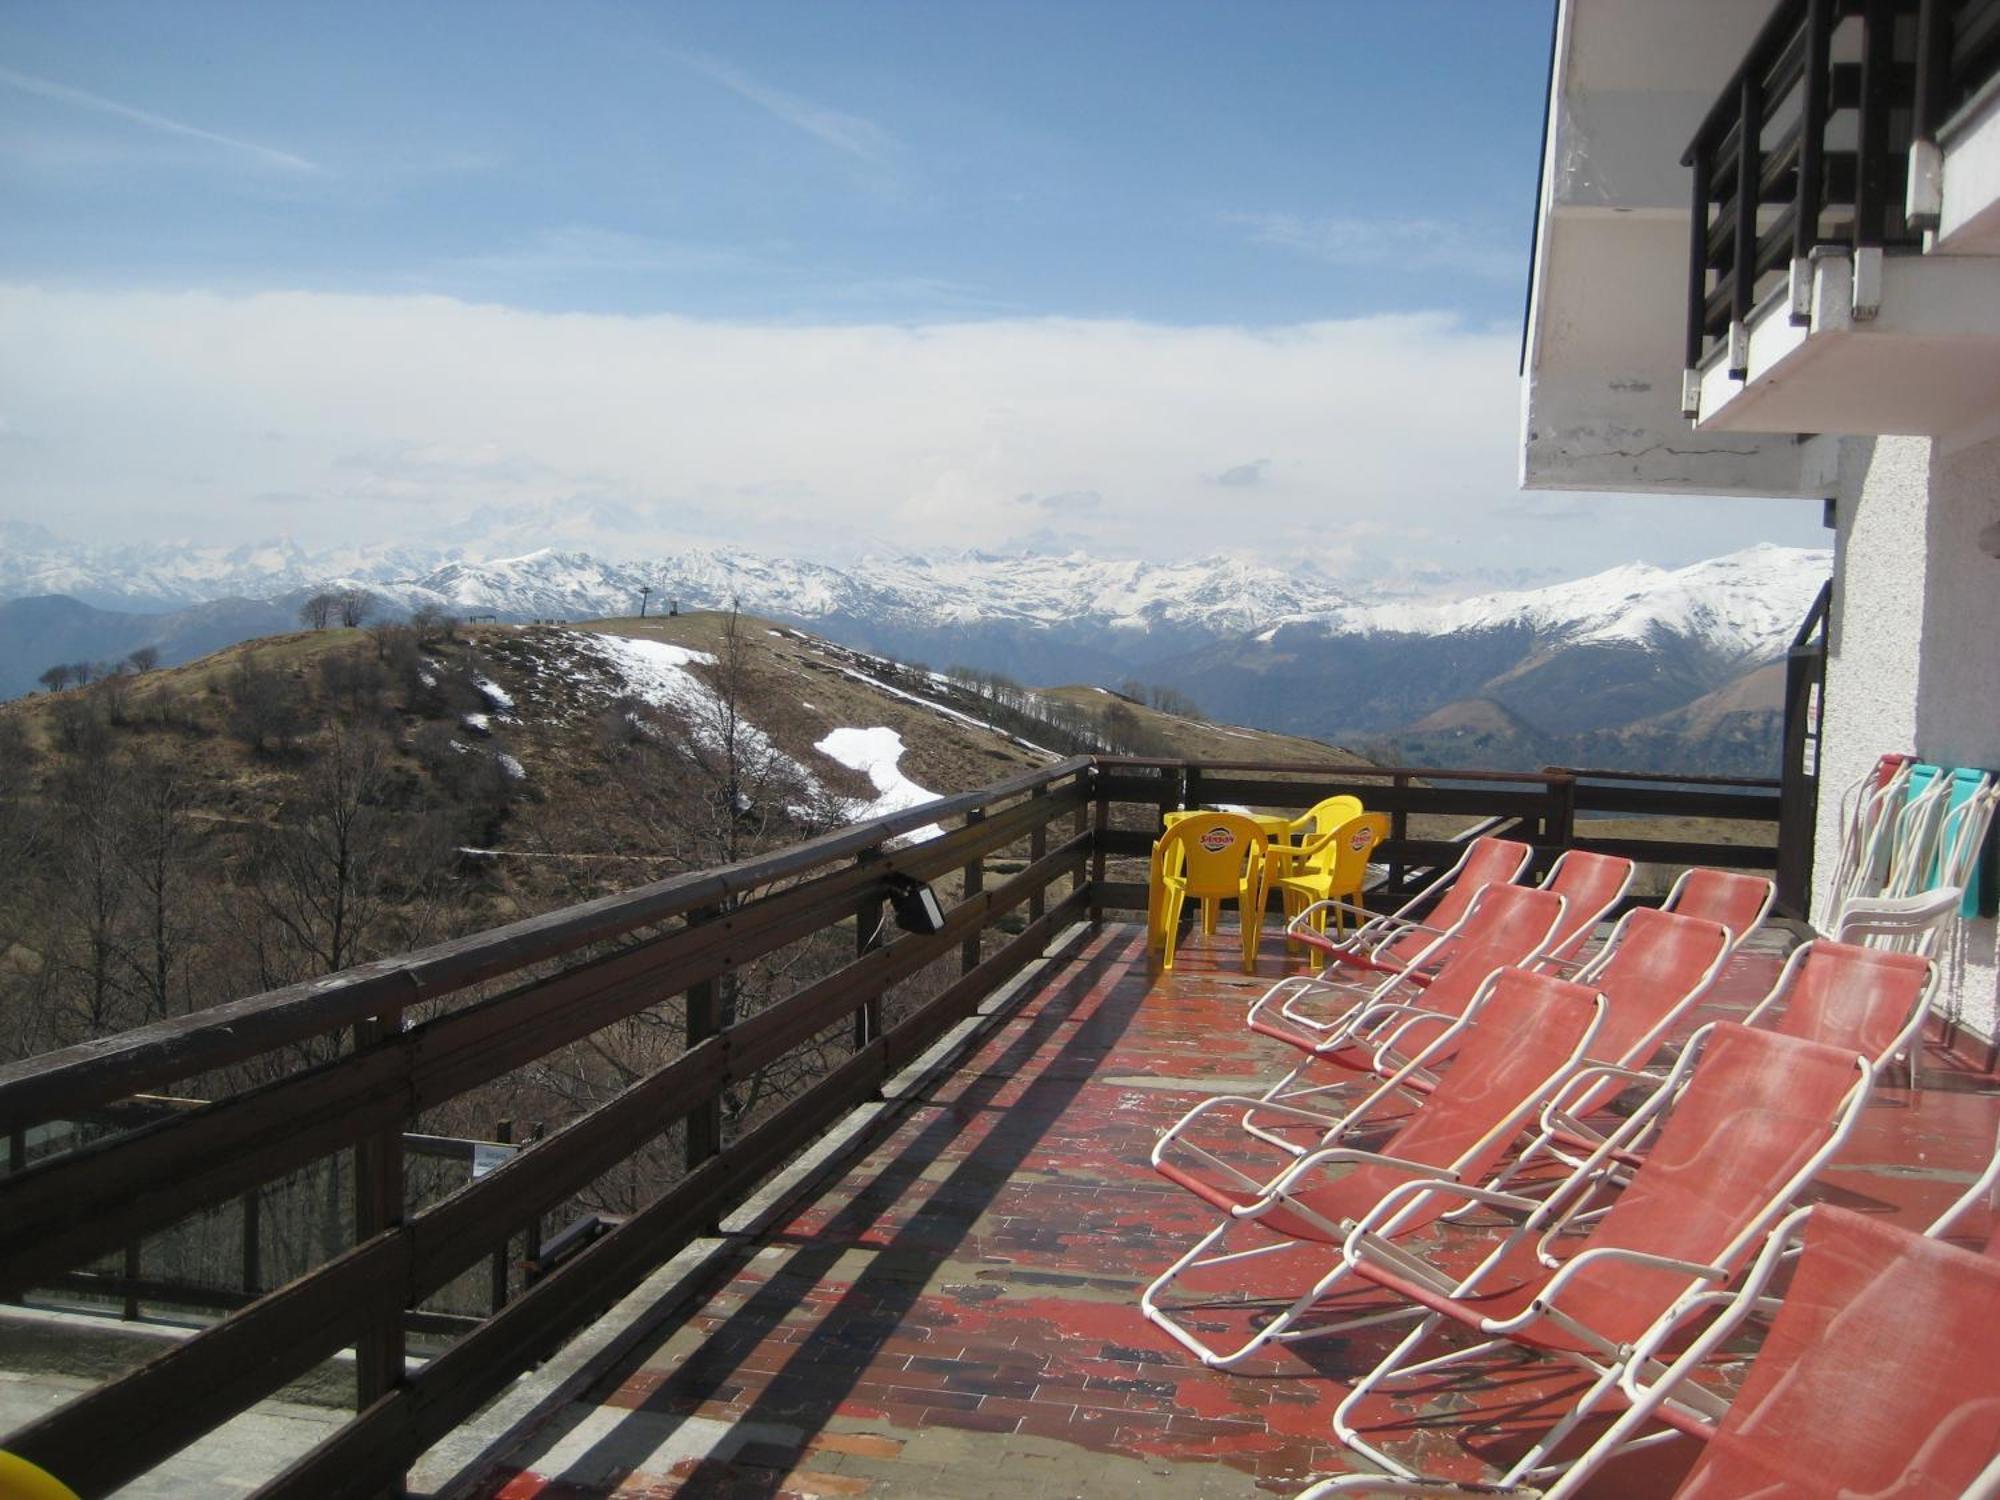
x,y
916,905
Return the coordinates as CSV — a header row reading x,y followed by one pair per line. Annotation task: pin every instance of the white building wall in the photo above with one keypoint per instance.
x,y
1913,659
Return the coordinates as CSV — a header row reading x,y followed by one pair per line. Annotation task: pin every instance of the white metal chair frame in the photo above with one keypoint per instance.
x,y
1546,1220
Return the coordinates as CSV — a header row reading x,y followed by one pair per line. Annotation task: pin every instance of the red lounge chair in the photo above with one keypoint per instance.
x,y
1863,999
1866,1384
1653,970
1521,1036
1590,885
1509,926
1749,1117
1393,943
1739,902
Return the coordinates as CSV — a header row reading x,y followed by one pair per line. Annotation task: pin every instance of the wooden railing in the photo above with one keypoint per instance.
x,y
417,1031
1028,858
1553,810
1826,136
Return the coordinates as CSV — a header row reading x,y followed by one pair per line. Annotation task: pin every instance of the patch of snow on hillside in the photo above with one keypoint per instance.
x,y
656,672
512,768
477,723
878,754
496,695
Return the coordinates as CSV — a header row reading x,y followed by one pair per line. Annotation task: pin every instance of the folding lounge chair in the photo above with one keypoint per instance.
x,y
1749,1117
1855,998
1865,1385
1316,1004
1509,926
1867,820
1739,902
1390,943
1521,1036
1652,971
1590,885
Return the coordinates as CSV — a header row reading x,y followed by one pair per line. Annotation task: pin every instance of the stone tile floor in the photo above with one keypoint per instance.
x,y
956,1315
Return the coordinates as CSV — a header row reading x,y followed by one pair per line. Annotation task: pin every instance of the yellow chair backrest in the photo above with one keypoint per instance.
x,y
1211,851
1326,814
1350,847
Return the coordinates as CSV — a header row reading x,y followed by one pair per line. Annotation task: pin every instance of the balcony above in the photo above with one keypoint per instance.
x,y
1844,241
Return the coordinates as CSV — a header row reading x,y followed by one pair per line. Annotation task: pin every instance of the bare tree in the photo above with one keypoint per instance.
x,y
432,622
322,870
318,611
158,840
265,707
143,660
354,606
56,678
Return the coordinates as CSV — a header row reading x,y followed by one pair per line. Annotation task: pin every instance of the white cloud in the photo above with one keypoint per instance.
x,y
1409,244
48,88
386,418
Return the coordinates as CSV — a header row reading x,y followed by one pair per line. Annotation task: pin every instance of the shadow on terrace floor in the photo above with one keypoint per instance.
x,y
955,1314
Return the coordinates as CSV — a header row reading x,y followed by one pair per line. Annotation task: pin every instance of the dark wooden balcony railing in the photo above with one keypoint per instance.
x,y
400,1038
1825,137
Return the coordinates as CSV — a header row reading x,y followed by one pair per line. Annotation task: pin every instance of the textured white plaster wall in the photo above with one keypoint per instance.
x,y
1913,657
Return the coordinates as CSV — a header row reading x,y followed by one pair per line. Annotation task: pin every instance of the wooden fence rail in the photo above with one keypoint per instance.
x,y
411,1033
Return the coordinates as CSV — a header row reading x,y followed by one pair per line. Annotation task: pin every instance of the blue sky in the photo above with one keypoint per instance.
x,y
925,249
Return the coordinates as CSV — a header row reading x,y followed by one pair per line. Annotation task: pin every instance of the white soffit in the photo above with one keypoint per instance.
x,y
1633,79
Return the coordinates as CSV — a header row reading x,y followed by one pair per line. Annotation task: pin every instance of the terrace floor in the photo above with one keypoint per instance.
x,y
956,1313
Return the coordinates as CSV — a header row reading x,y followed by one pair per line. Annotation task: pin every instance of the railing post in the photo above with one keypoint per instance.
x,y
1815,89
1038,848
1559,826
1871,184
1923,199
503,1131
378,1205
531,1241
974,883
1399,830
1697,309
704,1020
1080,822
1749,173
1100,827
867,938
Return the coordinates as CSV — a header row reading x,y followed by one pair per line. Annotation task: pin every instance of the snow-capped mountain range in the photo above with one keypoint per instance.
x,y
1745,604
1288,649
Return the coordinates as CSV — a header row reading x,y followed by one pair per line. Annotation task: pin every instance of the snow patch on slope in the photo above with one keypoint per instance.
x,y
877,754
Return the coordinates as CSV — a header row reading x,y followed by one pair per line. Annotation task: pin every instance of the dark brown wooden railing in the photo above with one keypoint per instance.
x,y
1028,859
1826,136
1554,810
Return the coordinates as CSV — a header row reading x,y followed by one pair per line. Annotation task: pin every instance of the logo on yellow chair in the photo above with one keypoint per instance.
x,y
1363,837
1217,839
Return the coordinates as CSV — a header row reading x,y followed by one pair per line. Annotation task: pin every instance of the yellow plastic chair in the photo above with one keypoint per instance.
x,y
1212,857
1155,891
1325,815
1332,867
21,1480
1309,827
